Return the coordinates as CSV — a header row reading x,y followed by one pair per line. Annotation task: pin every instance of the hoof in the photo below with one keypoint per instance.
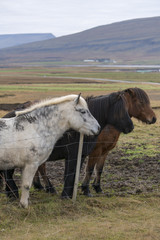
x,y
97,188
12,195
51,190
24,205
86,191
88,195
65,197
38,186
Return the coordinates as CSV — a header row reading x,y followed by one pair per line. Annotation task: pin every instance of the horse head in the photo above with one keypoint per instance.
x,y
80,118
139,105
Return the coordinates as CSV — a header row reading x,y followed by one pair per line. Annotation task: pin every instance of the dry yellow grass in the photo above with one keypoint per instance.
x,y
99,218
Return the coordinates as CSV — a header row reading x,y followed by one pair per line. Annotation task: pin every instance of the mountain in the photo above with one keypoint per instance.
x,y
10,40
136,40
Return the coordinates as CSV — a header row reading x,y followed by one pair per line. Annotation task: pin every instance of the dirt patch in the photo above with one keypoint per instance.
x,y
9,106
120,176
123,176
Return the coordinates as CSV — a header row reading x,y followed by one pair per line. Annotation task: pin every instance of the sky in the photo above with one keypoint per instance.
x,y
64,17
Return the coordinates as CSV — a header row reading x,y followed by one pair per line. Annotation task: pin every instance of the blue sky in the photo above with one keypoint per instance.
x,y
63,17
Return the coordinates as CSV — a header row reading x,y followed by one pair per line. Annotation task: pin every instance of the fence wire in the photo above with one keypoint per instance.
x,y
120,175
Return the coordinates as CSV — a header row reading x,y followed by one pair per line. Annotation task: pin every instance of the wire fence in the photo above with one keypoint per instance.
x,y
120,176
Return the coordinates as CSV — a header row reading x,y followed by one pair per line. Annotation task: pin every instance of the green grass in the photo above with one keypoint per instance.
x,y
141,142
75,87
128,76
139,151
83,72
54,87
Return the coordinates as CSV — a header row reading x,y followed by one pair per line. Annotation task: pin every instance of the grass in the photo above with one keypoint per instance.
x,y
142,145
139,152
100,218
141,142
128,76
83,72
74,87
55,87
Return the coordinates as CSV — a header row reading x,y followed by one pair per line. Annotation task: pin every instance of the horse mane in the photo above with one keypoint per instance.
x,y
119,101
49,102
140,94
102,105
111,98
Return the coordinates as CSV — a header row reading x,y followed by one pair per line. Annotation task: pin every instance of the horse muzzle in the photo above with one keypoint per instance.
x,y
151,121
128,130
97,131
154,119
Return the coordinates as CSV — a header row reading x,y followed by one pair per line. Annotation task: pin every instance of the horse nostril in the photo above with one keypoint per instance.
x,y
98,130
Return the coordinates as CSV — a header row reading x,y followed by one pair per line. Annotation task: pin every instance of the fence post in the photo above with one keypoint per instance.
x,y
78,167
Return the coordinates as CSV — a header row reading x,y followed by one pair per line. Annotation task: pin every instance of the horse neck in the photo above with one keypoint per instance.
x,y
49,119
98,108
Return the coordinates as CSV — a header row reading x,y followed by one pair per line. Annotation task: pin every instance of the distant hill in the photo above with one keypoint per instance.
x,y
10,40
126,42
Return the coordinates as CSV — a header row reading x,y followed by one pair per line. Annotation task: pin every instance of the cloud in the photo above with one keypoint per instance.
x,y
63,17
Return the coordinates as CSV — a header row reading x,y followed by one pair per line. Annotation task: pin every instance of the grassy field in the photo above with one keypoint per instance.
x,y
113,218
47,74
23,84
101,217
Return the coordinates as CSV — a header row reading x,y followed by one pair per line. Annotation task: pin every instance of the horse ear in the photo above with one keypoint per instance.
x,y
130,91
77,99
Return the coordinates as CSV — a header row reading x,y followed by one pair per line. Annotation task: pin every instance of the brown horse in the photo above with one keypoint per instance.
x,y
138,107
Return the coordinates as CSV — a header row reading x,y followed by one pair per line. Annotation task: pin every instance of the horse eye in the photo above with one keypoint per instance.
x,y
82,111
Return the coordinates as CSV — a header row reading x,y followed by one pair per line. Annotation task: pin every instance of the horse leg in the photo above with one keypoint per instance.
x,y
88,173
106,141
1,180
92,161
48,185
27,177
99,169
69,176
11,187
36,181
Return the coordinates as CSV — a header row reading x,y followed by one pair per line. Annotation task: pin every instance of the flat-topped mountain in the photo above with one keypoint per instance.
x,y
10,40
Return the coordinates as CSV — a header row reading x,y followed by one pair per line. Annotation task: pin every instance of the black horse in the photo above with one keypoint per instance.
x,y
107,109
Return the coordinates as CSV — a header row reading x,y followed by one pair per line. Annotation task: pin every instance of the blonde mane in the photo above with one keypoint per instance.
x,y
52,101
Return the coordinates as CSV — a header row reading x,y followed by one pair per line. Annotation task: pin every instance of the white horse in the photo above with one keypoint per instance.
x,y
27,140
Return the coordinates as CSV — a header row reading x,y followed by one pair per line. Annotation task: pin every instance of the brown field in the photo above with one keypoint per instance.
x,y
23,84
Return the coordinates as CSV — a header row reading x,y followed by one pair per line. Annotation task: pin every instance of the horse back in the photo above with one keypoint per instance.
x,y
19,107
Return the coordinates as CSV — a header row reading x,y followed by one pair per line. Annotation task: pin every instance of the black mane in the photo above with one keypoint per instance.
x,y
108,109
